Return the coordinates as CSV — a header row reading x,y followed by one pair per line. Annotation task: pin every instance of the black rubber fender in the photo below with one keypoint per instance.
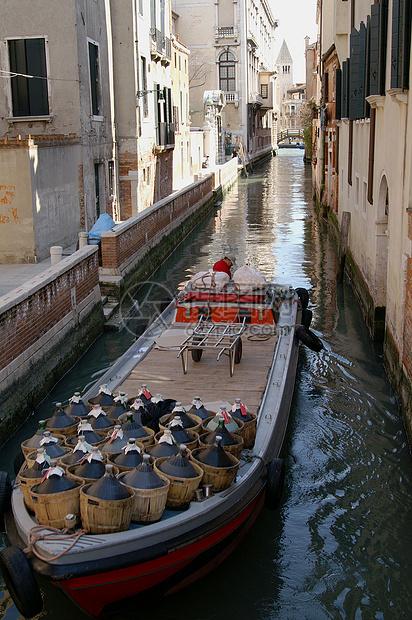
x,y
20,581
307,316
303,295
274,483
308,338
238,351
5,495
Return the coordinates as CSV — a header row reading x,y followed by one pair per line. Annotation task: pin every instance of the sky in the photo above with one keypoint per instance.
x,y
297,18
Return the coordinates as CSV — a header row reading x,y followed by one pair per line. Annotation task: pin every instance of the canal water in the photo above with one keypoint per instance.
x,y
340,545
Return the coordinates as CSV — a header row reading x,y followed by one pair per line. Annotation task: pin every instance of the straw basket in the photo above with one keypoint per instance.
x,y
27,450
181,490
70,474
248,431
192,429
66,431
190,445
26,484
149,504
103,516
121,468
51,509
219,477
31,457
235,449
238,422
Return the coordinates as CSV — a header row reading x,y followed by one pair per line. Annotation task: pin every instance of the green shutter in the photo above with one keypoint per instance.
x,y
396,12
354,75
36,65
338,94
344,110
374,50
382,46
362,71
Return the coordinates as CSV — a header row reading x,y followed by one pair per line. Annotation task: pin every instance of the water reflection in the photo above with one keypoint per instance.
x,y
339,547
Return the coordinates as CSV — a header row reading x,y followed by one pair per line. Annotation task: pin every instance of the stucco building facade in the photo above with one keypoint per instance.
x,y
371,77
231,50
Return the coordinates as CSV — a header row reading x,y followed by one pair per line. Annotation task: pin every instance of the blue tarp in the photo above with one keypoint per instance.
x,y
103,224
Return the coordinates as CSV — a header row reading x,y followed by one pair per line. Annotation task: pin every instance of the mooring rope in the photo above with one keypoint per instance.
x,y
38,533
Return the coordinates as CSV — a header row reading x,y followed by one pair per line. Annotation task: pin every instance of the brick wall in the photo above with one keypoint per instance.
x,y
26,316
127,239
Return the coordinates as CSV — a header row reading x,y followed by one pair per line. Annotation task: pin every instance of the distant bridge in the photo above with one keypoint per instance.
x,y
290,133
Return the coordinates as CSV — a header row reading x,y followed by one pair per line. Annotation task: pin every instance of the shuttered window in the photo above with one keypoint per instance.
x,y
362,72
345,88
29,95
338,94
401,39
94,77
354,74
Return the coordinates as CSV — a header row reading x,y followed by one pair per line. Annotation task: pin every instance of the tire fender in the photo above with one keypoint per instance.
x,y
5,495
307,316
303,295
274,483
18,462
20,581
308,338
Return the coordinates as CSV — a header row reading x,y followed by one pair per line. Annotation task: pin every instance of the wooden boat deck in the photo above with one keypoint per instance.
x,y
162,371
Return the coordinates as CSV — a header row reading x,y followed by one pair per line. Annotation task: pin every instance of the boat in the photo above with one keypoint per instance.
x,y
219,344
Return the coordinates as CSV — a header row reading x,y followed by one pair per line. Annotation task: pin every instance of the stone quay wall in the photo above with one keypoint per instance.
x,y
45,325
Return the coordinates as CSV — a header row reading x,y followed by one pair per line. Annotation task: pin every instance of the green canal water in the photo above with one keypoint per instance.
x,y
340,544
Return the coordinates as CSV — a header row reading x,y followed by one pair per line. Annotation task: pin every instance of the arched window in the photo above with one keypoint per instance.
x,y
227,72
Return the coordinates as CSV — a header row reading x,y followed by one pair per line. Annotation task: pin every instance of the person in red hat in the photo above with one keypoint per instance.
x,y
225,264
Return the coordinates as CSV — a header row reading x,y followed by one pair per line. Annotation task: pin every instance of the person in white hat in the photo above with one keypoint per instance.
x,y
225,264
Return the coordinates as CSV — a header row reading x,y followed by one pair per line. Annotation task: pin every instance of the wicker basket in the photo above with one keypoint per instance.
x,y
190,445
238,422
67,431
70,474
26,484
192,429
181,490
102,516
51,509
235,449
27,450
219,477
31,457
149,504
248,431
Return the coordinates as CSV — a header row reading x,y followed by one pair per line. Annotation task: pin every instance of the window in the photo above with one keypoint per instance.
x,y
141,7
94,77
401,42
227,72
264,91
29,95
364,196
144,88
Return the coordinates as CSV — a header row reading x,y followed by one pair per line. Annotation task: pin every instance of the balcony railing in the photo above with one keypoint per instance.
x,y
160,44
222,32
232,96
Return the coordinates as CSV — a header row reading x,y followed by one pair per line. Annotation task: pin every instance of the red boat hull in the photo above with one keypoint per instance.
x,y
166,574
